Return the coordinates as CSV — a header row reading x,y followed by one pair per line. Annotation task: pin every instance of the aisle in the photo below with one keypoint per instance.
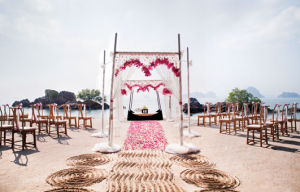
x,y
145,135
142,170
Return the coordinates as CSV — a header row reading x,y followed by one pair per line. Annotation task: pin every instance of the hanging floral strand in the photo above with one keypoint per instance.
x,y
146,69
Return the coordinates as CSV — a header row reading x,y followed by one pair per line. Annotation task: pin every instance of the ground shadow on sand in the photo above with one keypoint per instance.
x,y
21,156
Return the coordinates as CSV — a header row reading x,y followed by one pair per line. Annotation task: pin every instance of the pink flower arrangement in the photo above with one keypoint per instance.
x,y
123,91
145,135
167,91
143,88
146,69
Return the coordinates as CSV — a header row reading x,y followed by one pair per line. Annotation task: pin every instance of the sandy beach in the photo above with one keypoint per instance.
x,y
273,167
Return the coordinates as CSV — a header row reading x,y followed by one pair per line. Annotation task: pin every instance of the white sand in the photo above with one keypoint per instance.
x,y
269,168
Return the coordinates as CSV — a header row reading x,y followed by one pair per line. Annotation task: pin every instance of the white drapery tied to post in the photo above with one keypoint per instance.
x,y
186,148
104,147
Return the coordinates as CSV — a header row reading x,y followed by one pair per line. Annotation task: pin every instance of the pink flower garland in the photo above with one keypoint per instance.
x,y
145,135
146,69
142,88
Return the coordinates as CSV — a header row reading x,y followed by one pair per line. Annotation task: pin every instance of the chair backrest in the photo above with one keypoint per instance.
x,y
207,106
83,113
39,108
263,114
5,108
2,117
294,111
245,110
67,110
34,109
16,116
285,110
227,107
232,111
254,108
218,108
277,110
53,112
237,110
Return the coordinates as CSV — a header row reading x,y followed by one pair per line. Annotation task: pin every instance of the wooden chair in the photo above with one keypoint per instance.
x,y
259,128
3,127
38,120
228,120
216,114
55,119
206,114
68,115
293,118
83,116
24,131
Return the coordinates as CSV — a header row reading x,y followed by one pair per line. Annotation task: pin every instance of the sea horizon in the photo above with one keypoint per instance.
x,y
151,104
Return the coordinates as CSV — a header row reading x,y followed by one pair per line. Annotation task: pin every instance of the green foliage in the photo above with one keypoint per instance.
x,y
242,96
90,95
52,94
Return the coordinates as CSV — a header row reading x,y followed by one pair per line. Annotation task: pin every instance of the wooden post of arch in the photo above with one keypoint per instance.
x,y
180,95
103,93
110,130
188,86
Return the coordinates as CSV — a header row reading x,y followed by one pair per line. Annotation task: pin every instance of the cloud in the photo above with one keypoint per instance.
x,y
284,26
40,6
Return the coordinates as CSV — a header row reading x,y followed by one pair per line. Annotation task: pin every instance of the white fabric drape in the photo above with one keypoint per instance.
x,y
171,82
120,80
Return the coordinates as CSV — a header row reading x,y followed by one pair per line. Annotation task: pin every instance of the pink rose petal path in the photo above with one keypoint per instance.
x,y
145,135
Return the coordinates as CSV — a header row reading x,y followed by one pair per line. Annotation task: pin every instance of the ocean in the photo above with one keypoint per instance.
x,y
151,104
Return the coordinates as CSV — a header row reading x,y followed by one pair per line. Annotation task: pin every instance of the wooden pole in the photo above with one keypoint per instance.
x,y
188,85
180,97
103,93
110,131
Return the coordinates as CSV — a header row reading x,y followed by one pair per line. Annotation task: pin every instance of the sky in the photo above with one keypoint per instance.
x,y
233,43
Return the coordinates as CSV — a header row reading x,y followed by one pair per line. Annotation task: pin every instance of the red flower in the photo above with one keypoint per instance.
x,y
123,91
167,91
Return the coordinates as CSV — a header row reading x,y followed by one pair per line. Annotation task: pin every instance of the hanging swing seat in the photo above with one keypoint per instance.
x,y
132,116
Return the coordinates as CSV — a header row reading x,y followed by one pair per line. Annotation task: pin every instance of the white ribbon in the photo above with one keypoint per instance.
x,y
17,120
69,110
54,111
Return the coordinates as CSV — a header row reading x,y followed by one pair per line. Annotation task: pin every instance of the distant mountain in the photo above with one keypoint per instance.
x,y
289,95
211,94
201,95
255,92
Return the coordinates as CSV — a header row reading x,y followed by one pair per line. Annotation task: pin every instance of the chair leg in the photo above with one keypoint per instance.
x,y
12,139
34,139
91,123
220,126
23,140
266,136
57,129
66,129
1,138
260,137
247,141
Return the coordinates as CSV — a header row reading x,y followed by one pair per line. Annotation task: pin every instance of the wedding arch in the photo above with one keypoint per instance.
x,y
168,66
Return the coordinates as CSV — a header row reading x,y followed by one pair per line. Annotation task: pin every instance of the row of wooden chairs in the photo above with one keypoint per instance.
x,y
256,120
16,115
